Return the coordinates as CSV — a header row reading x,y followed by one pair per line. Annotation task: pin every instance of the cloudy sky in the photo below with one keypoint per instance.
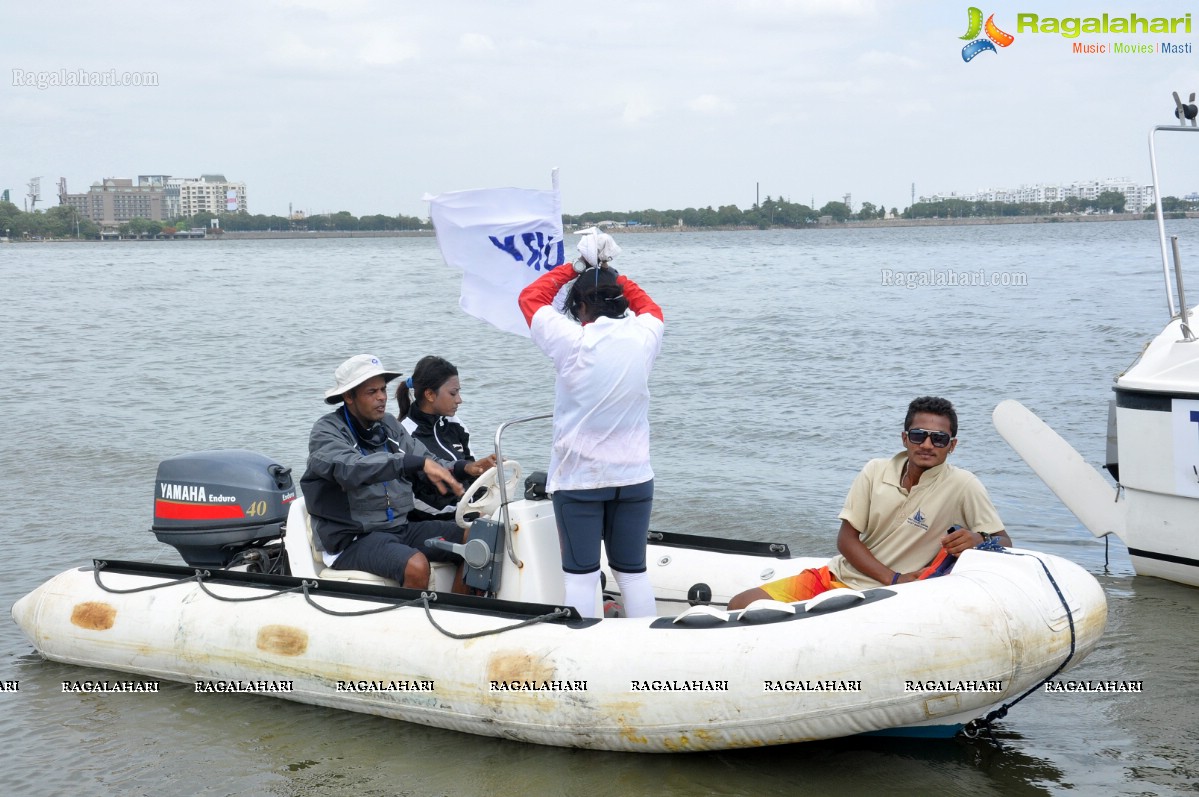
x,y
366,105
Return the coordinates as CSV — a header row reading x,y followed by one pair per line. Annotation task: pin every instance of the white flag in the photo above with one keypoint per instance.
x,y
502,239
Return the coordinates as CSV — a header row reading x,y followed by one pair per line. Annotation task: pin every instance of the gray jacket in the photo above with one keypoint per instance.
x,y
356,476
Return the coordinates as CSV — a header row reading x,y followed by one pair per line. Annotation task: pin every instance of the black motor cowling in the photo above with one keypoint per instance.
x,y
213,506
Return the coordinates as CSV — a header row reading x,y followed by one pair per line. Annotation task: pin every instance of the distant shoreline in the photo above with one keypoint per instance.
x,y
640,230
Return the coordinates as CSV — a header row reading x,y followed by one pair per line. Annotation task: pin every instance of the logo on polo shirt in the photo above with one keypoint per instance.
x,y
918,520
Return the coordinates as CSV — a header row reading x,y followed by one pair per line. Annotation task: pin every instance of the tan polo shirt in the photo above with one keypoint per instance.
x,y
902,528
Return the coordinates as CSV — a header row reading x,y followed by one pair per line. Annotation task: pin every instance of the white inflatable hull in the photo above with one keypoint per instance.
x,y
924,658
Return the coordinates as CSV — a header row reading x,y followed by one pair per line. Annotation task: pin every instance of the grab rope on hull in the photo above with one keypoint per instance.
x,y
974,728
198,576
556,614
425,599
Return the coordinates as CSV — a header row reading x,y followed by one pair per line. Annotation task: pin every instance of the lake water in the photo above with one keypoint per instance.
x,y
788,361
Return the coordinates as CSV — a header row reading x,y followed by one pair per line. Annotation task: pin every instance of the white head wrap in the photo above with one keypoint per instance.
x,y
597,247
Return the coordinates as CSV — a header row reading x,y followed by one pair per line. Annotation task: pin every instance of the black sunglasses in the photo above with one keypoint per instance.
x,y
918,436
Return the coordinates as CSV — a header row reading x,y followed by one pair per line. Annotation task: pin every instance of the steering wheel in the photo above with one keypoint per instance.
x,y
483,496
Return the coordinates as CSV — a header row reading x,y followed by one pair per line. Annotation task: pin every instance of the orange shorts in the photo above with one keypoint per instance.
x,y
801,586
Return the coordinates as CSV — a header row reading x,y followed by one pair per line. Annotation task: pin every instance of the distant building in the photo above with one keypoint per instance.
x,y
170,192
114,201
157,197
211,193
1137,196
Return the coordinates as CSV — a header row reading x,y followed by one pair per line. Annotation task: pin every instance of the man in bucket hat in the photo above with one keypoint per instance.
x,y
358,485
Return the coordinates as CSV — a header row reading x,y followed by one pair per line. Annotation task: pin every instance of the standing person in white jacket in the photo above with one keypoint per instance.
x,y
599,472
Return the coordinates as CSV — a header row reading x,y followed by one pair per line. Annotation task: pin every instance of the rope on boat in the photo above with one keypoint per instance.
x,y
541,618
378,610
197,576
424,600
425,597
275,594
975,727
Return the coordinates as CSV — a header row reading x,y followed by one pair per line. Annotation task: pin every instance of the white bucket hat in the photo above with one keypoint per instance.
x,y
353,372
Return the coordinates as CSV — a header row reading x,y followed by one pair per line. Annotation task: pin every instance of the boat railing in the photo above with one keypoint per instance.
x,y
502,481
1183,314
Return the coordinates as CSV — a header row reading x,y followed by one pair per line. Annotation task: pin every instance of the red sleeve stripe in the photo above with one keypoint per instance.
x,y
639,300
541,291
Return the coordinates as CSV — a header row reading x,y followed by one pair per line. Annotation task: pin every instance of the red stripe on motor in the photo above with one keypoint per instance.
x,y
171,510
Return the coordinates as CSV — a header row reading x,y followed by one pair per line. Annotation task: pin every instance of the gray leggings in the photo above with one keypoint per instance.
x,y
617,515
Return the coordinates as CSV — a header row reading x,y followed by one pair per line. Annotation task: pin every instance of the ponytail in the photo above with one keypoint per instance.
x,y
404,396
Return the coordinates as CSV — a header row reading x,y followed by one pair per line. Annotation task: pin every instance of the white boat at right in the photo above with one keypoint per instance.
x,y
1153,434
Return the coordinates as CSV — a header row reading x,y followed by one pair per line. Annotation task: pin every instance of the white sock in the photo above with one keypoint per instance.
x,y
636,593
581,590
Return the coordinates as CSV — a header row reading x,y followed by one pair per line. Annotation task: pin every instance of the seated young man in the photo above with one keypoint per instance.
x,y
896,515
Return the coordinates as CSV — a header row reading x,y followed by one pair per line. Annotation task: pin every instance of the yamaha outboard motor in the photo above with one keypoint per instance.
x,y
224,509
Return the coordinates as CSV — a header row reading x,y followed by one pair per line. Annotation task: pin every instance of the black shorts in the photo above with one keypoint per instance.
x,y
386,553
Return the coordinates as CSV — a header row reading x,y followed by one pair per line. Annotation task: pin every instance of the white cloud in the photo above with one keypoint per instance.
x,y
386,49
327,7
710,104
475,44
875,59
636,110
810,8
291,49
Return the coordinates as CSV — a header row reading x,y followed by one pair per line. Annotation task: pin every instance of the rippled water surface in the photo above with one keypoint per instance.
x,y
787,363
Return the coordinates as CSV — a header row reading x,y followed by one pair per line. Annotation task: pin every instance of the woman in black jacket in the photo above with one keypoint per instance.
x,y
429,402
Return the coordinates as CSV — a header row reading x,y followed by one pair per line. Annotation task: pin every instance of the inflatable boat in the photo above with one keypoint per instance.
x,y
256,610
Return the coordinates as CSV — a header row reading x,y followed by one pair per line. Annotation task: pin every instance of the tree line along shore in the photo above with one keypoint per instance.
x,y
63,222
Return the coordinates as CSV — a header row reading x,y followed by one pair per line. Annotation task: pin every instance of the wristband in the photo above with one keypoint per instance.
x,y
894,579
